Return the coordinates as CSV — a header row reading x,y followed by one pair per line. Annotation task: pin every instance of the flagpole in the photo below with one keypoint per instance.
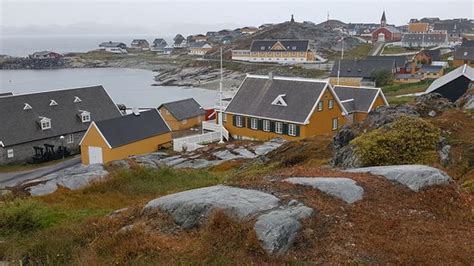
x,y
339,65
220,114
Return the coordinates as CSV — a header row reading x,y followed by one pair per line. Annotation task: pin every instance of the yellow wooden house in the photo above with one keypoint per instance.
x,y
183,114
121,137
267,107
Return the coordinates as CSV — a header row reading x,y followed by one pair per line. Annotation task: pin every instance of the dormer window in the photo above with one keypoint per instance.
x,y
77,99
53,103
279,100
27,107
45,123
85,116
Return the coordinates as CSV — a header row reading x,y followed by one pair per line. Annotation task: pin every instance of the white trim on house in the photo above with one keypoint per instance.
x,y
100,133
27,107
280,101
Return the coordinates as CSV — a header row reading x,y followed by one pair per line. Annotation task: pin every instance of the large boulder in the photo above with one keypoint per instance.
x,y
343,188
189,208
387,114
467,100
278,228
415,177
73,178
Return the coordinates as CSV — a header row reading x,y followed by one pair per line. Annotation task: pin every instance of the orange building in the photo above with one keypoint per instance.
x,y
183,114
359,101
121,137
418,27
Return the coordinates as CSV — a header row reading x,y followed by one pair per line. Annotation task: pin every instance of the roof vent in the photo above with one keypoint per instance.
x,y
279,100
27,107
53,103
77,99
135,111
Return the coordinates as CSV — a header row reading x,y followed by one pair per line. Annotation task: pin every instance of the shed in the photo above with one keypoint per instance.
x,y
118,138
454,84
182,114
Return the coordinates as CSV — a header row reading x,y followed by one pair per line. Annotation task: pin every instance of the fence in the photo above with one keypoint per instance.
x,y
192,143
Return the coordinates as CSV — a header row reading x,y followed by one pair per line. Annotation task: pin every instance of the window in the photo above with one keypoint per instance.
x,y
77,99
279,127
320,105
185,121
70,138
45,123
334,124
331,104
224,117
53,103
239,121
167,112
266,125
254,123
27,107
10,153
86,117
292,129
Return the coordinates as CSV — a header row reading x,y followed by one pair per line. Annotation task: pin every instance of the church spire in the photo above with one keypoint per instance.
x,y
292,19
383,20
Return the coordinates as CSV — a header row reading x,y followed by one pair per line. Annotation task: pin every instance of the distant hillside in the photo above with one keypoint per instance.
x,y
324,39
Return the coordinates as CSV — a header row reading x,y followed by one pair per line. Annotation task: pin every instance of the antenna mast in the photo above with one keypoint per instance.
x,y
221,109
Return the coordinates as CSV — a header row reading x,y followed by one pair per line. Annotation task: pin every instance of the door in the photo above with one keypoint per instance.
x,y
95,155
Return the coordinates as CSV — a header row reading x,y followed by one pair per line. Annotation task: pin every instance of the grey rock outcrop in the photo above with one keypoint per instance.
x,y
387,114
278,228
189,208
431,104
276,225
415,177
268,146
73,178
343,188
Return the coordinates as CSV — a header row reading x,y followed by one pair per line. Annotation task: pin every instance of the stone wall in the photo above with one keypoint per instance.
x,y
24,152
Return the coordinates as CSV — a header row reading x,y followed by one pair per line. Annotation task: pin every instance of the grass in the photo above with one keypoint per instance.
x,y
399,89
397,50
358,52
400,100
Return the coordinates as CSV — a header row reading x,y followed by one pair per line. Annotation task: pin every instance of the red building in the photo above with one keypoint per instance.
x,y
386,33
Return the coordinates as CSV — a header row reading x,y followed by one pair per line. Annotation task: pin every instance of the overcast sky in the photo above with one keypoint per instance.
x,y
214,14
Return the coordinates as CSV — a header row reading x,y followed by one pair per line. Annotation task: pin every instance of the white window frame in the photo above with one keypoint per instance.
x,y
184,122
239,121
10,153
292,130
70,138
224,117
254,123
266,125
320,105
331,104
279,127
45,123
335,123
85,117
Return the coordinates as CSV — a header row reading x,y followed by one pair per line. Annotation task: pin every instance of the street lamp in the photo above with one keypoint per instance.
x,y
62,145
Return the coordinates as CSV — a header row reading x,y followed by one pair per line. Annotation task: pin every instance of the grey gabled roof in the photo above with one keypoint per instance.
x,y
362,68
184,109
463,70
464,53
400,60
356,99
424,38
112,44
256,94
290,45
434,54
130,128
20,126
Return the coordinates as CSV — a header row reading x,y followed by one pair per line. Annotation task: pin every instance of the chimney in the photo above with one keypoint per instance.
x,y
135,111
270,75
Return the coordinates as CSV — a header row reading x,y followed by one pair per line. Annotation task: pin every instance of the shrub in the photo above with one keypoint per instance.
x,y
24,216
407,140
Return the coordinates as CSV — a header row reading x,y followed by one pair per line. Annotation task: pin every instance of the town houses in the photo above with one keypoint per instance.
x,y
277,51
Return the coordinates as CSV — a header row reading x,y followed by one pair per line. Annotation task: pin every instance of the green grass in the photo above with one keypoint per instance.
x,y
400,100
399,89
397,50
358,52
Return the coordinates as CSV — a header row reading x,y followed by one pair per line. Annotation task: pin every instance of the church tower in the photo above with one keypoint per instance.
x,y
292,19
383,20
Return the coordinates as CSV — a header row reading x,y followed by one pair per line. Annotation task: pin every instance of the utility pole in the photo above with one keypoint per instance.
x,y
221,109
